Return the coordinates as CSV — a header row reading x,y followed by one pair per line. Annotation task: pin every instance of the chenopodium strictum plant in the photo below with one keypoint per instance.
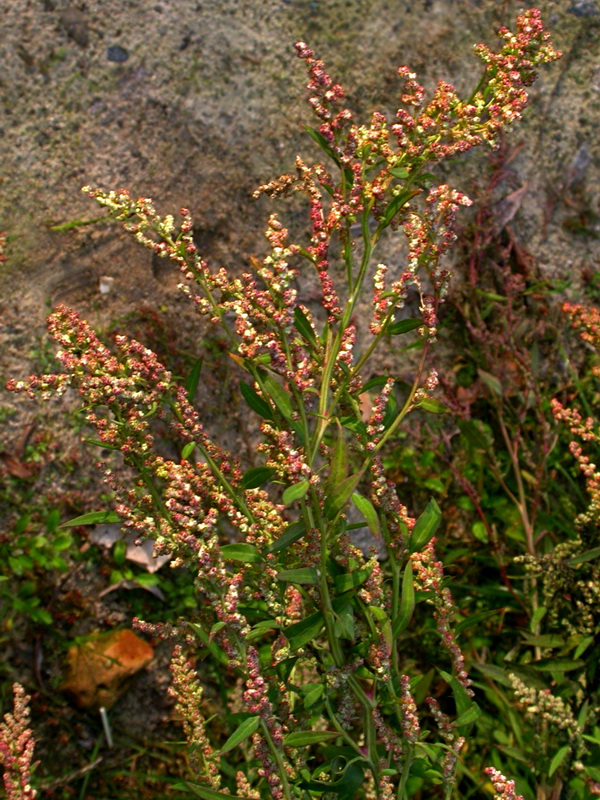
x,y
309,631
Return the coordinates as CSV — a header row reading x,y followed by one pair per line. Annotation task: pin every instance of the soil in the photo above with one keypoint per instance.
x,y
195,103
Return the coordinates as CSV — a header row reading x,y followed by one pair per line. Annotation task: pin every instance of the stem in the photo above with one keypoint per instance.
x,y
278,760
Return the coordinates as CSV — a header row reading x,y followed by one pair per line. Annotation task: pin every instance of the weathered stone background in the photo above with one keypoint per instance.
x,y
196,102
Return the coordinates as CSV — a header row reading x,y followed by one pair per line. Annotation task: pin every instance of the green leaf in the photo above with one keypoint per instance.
x,y
256,476
425,527
337,499
433,406
306,738
589,555
407,602
583,646
205,792
556,665
303,326
314,693
403,326
93,518
548,640
367,509
558,759
246,729
468,717
119,551
396,204
307,575
476,433
295,492
537,616
350,580
241,552
491,381
193,378
291,534
188,449
300,633
475,619
461,696
255,401
276,392
338,466
495,673
318,137
398,172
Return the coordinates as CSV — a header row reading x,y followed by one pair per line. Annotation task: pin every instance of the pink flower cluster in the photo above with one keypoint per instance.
x,y
505,789
16,749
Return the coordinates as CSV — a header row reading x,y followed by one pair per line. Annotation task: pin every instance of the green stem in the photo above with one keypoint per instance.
x,y
278,760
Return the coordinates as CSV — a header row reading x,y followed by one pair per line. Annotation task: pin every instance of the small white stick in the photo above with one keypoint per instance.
x,y
106,726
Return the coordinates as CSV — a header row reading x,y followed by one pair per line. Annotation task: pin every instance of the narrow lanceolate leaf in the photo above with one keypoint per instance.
x,y
337,499
305,738
276,392
303,326
396,204
350,580
288,537
193,378
307,575
589,555
407,602
403,326
558,759
491,381
398,172
470,715
300,633
256,476
187,450
295,492
241,552
367,509
255,401
322,142
246,729
338,465
425,527
93,518
205,792
461,696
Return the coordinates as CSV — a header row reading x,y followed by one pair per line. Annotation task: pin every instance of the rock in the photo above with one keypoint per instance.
x,y
99,668
116,53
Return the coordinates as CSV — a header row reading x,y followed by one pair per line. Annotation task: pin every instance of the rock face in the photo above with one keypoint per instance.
x,y
99,668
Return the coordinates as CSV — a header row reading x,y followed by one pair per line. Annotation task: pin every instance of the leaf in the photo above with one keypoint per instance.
x,y
537,616
308,575
187,450
425,527
491,381
246,729
433,406
476,433
255,401
93,518
407,602
256,476
300,633
291,534
367,509
403,326
396,204
276,392
468,717
313,694
474,619
461,696
589,555
556,665
350,580
495,673
193,378
398,172
205,792
305,738
295,492
548,640
318,137
303,326
241,552
558,759
337,499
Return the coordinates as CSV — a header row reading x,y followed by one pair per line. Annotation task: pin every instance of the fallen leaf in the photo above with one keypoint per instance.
x,y
99,668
